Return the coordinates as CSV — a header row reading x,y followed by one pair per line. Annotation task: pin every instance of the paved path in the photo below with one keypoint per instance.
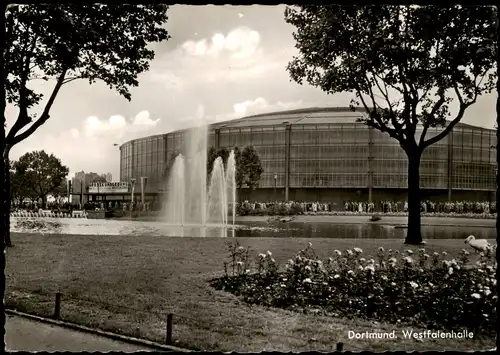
x,y
22,334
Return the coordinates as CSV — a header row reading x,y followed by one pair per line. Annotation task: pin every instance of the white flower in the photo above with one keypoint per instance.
x,y
360,267
349,252
384,278
494,282
431,284
272,260
285,279
409,252
413,284
370,267
362,259
390,250
330,259
371,261
240,248
393,284
381,249
476,295
239,263
247,271
262,255
307,281
310,244
435,254
350,272
487,292
290,262
426,256
450,270
444,253
408,260
308,268
337,276
283,285
421,250
393,260
337,252
269,253
358,250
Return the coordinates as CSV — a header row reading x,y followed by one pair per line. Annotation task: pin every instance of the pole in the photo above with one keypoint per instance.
x,y
275,181
57,309
169,329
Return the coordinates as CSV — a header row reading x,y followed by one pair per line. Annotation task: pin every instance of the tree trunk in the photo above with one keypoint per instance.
x,y
414,235
6,197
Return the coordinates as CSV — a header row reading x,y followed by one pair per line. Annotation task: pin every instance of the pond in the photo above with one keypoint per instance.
x,y
82,226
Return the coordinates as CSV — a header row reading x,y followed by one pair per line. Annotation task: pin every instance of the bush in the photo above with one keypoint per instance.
x,y
395,287
375,218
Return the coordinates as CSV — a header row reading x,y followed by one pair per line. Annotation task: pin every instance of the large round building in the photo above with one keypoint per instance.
x,y
325,154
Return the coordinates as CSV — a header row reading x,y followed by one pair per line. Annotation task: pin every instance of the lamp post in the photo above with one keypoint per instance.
x,y
275,182
132,190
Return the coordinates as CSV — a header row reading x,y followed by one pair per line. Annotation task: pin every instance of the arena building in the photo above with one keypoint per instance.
x,y
325,154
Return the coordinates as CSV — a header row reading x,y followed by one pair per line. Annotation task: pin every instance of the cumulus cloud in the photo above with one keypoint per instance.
x,y
231,57
238,43
261,105
117,126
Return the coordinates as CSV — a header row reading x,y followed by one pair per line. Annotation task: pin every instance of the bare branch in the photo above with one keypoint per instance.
x,y
13,140
69,80
448,128
434,110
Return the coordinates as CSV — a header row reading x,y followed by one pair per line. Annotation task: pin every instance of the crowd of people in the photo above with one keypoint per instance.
x,y
292,207
461,207
91,206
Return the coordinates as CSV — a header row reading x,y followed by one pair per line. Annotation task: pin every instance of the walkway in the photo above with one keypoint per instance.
x,y
22,334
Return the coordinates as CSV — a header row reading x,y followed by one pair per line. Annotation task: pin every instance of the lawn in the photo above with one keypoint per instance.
x,y
129,284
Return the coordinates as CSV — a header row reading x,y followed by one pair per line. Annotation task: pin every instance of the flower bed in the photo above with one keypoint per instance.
x,y
423,290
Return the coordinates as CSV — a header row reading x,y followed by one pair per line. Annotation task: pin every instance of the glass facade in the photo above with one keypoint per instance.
x,y
143,157
332,152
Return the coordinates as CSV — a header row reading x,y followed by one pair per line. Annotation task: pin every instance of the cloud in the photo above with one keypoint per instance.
x,y
231,57
117,126
260,105
239,43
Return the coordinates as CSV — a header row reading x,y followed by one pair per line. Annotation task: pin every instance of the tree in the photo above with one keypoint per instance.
x,y
405,64
45,173
18,185
65,43
61,192
248,165
99,178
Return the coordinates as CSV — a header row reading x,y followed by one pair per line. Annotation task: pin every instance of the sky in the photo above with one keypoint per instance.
x,y
222,62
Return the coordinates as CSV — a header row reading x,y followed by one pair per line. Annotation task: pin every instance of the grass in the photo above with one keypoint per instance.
x,y
129,284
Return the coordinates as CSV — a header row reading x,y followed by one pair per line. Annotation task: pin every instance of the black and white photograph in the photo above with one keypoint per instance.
x,y
249,178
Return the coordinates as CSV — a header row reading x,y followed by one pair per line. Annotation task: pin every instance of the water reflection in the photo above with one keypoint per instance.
x,y
248,229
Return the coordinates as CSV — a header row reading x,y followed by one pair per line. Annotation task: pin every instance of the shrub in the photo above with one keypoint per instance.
x,y
423,290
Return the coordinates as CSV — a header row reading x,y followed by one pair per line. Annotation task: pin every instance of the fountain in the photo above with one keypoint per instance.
x,y
191,203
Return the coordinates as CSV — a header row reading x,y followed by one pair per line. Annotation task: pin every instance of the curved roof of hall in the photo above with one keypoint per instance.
x,y
314,115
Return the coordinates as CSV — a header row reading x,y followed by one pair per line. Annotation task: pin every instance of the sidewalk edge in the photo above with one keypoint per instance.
x,y
82,328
